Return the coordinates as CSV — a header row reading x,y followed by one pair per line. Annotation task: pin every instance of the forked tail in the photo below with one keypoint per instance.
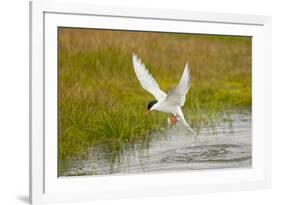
x,y
186,125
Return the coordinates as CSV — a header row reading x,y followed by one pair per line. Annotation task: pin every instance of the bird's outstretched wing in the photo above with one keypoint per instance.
x,y
146,79
176,96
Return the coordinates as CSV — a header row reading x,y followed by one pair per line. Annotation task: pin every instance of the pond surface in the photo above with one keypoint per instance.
x,y
225,145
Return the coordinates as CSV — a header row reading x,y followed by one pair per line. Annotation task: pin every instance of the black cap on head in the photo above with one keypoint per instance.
x,y
151,103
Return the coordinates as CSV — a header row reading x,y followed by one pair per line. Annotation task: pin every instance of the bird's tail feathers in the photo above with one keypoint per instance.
x,y
186,125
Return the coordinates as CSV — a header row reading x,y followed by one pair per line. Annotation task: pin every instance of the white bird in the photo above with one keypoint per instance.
x,y
170,102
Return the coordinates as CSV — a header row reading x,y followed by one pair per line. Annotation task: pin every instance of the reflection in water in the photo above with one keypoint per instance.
x,y
227,145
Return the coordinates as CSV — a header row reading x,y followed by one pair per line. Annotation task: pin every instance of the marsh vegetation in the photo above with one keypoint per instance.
x,y
101,102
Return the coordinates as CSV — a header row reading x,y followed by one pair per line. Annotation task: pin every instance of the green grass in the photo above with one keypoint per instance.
x,y
102,103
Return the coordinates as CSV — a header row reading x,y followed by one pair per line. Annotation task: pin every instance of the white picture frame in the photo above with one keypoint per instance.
x,y
46,187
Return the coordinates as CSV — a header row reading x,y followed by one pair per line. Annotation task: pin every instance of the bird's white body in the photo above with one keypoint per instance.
x,y
170,102
162,106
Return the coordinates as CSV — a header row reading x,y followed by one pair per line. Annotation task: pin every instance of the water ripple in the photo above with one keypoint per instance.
x,y
223,147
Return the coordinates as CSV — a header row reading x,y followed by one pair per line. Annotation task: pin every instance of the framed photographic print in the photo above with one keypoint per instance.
x,y
129,102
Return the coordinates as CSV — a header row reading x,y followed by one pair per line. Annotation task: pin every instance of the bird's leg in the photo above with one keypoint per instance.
x,y
173,119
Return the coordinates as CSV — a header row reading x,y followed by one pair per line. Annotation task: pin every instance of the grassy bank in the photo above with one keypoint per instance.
x,y
102,102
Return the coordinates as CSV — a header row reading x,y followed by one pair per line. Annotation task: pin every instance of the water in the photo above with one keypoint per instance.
x,y
225,145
